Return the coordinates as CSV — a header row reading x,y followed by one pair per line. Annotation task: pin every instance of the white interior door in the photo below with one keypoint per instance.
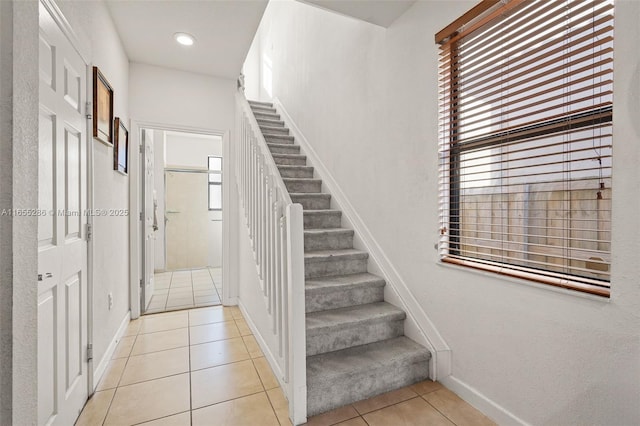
x,y
187,219
62,246
149,212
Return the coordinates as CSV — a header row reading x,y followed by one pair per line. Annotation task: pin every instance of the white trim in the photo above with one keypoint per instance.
x,y
491,409
80,45
418,325
135,233
104,361
263,346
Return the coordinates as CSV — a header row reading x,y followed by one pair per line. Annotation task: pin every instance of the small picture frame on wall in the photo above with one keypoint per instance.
x,y
102,108
121,147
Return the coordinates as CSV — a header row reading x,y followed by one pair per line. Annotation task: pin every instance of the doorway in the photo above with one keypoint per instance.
x,y
182,227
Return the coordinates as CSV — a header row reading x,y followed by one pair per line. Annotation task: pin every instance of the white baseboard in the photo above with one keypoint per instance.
x,y
418,325
104,361
263,346
497,413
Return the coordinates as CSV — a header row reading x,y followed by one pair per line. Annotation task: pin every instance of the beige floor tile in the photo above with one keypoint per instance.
x,y
182,419
252,346
332,417
213,332
176,284
156,365
243,327
133,327
414,412
235,311
280,405
205,292
223,383
154,323
456,409
384,400
426,386
210,354
149,400
203,299
180,291
358,421
112,374
179,301
269,380
250,410
123,349
160,341
95,410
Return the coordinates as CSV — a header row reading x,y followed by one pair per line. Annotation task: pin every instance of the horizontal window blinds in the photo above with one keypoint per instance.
x,y
526,140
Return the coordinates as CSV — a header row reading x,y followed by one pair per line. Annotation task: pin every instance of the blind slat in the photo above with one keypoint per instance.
x,y
525,140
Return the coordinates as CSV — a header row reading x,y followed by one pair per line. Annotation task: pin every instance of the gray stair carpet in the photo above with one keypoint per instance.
x,y
356,346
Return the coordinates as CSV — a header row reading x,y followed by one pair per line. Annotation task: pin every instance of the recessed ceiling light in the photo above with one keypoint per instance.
x,y
184,39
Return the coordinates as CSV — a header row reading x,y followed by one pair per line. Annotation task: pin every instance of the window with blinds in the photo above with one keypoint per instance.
x,y
525,139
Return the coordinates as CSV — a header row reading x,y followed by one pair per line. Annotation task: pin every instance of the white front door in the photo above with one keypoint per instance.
x,y
62,246
150,210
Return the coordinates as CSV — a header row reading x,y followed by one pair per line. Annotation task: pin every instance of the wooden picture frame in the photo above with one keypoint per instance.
x,y
102,108
121,147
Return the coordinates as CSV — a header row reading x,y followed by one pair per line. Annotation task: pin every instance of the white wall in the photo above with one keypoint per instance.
x,y
93,23
368,96
182,99
18,190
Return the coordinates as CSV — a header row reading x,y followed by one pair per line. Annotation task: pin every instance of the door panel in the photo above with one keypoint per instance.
x,y
187,216
148,208
62,247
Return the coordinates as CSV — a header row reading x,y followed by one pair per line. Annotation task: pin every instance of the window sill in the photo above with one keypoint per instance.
x,y
599,294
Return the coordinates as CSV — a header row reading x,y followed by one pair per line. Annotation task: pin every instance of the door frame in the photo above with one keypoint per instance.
x,y
84,51
135,230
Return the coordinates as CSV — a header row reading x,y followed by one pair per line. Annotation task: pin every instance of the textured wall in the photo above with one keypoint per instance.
x,y
19,133
368,96
6,167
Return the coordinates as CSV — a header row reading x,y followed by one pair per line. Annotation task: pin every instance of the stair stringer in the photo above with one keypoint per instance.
x,y
418,326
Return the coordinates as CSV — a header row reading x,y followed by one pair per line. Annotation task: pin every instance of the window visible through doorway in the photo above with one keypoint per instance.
x,y
215,182
526,140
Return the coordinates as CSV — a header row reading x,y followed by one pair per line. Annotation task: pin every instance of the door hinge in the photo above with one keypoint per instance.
x,y
89,229
141,215
88,111
141,149
89,351
141,283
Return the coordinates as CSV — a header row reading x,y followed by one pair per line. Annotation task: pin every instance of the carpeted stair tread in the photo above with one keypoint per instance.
x,y
295,171
324,255
325,293
344,281
372,312
342,377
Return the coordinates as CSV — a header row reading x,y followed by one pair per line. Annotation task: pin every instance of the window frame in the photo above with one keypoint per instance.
x,y
450,166
210,172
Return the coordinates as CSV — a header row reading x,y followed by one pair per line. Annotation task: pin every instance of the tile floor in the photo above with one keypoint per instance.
x,y
186,289
204,367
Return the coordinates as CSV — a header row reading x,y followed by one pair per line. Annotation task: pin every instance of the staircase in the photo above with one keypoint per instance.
x,y
356,346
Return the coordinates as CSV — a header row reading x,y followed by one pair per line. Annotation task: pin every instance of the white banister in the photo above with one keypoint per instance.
x,y
275,228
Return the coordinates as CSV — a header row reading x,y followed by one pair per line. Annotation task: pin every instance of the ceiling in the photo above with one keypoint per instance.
x,y
223,30
379,12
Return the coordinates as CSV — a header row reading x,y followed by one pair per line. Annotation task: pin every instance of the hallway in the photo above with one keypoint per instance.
x,y
204,367
186,289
